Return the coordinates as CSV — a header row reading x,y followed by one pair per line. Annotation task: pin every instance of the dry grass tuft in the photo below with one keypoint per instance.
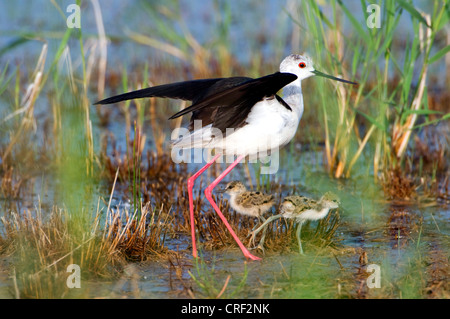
x,y
397,185
136,237
42,247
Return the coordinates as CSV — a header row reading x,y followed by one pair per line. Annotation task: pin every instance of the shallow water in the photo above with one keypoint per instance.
x,y
365,228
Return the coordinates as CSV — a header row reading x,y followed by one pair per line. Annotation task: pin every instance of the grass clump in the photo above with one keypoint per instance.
x,y
42,246
136,236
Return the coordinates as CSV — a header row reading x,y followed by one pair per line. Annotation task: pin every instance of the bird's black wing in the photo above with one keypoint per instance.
x,y
187,90
223,102
229,108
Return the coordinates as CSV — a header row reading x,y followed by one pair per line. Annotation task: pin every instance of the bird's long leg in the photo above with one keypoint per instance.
x,y
299,230
260,219
208,193
252,240
263,226
191,182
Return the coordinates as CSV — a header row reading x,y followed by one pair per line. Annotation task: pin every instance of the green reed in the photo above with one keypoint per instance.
x,y
372,57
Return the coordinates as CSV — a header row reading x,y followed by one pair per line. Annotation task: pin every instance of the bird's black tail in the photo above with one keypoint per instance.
x,y
188,90
127,96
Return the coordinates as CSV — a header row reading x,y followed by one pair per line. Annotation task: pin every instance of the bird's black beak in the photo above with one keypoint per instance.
x,y
332,77
221,190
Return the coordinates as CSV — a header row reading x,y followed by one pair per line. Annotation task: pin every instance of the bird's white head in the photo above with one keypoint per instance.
x,y
302,66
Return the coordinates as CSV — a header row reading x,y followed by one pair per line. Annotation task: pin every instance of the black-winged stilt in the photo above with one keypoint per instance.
x,y
260,121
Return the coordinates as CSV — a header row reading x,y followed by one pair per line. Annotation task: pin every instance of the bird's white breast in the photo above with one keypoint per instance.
x,y
270,125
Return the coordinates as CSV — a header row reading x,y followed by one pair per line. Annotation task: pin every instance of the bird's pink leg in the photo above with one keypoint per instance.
x,y
191,182
208,193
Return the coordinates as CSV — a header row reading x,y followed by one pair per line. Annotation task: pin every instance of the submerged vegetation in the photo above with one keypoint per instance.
x,y
96,186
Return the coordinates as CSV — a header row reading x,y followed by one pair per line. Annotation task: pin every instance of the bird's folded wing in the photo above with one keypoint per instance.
x,y
229,108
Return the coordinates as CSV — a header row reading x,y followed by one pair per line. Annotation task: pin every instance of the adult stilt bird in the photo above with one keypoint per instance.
x,y
260,121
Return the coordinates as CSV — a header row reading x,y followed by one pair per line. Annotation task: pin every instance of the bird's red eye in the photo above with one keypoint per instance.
x,y
302,65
